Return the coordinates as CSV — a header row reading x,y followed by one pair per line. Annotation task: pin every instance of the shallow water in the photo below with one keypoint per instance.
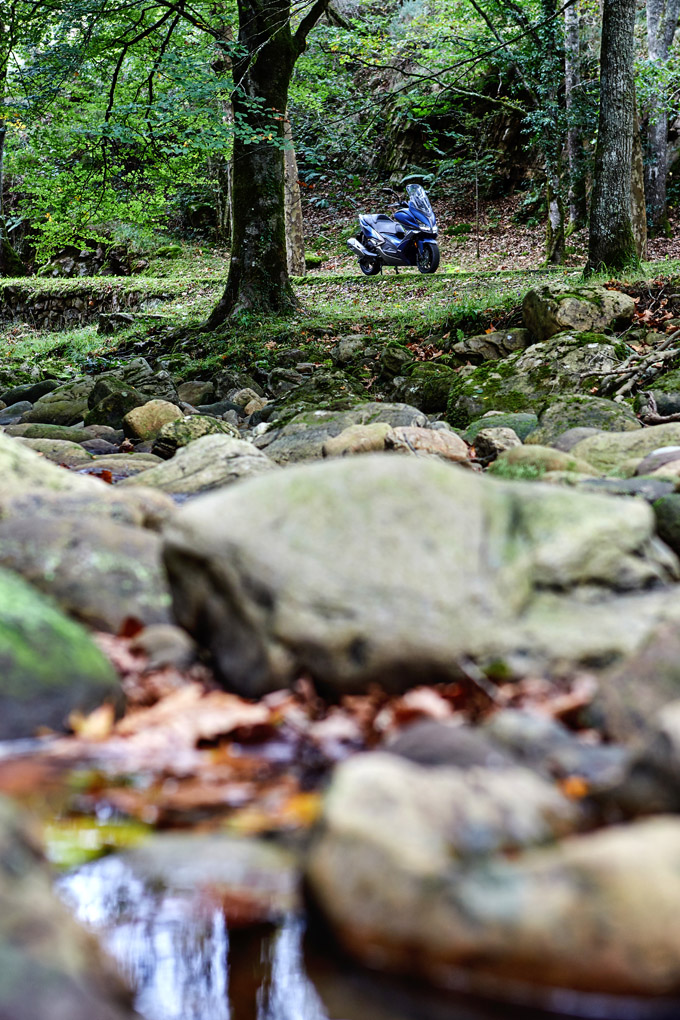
x,y
176,949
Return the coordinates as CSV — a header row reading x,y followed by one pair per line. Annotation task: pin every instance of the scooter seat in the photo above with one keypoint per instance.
x,y
384,224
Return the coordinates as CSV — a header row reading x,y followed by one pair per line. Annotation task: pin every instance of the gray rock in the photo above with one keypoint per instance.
x,y
303,438
568,440
667,513
50,967
182,432
489,443
50,665
209,462
196,391
221,407
145,422
101,572
650,489
582,411
658,459
37,431
612,451
139,375
493,346
112,322
112,408
426,387
22,468
557,306
522,424
528,380
134,505
59,451
388,570
13,412
31,391
66,405
406,868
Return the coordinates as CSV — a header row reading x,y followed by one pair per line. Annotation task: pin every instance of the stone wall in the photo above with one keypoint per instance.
x,y
67,308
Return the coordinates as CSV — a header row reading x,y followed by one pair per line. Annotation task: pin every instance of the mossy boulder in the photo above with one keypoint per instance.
x,y
621,452
558,306
328,391
209,462
427,387
66,405
97,570
493,346
304,437
138,374
527,462
112,408
69,434
59,451
22,469
183,431
522,423
582,410
667,513
530,380
49,664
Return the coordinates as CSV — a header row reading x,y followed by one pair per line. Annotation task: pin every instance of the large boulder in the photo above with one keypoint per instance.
x,y
427,386
66,405
135,505
389,569
582,410
145,422
50,966
207,463
621,452
49,664
557,306
97,570
22,468
304,437
183,431
493,346
439,873
529,380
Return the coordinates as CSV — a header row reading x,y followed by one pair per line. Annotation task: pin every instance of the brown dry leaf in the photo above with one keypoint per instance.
x,y
190,715
418,703
98,725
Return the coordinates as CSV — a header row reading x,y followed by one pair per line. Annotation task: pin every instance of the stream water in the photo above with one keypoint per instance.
x,y
186,962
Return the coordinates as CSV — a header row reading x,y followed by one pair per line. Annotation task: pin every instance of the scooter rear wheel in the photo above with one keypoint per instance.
x,y
427,259
369,267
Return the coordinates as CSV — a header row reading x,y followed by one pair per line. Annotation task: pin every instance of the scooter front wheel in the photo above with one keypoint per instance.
x,y
427,259
369,267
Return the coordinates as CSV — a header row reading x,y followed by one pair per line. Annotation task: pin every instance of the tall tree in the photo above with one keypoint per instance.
x,y
572,82
662,21
258,273
611,244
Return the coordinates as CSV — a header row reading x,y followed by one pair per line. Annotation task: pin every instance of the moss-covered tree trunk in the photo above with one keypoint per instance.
x,y
611,244
258,278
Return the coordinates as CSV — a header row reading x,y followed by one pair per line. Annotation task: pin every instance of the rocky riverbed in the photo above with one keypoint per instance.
x,y
451,606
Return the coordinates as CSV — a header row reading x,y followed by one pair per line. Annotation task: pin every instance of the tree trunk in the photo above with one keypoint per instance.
x,y
258,278
555,228
638,210
572,79
258,273
662,20
295,237
611,244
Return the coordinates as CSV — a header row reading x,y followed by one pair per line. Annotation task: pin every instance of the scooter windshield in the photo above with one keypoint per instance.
x,y
417,198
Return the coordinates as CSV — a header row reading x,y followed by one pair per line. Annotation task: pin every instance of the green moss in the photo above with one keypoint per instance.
x,y
516,472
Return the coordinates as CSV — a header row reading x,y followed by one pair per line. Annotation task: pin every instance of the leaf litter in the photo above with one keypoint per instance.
x,y
186,753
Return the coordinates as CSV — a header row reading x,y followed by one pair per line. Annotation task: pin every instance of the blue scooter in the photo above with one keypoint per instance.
x,y
408,239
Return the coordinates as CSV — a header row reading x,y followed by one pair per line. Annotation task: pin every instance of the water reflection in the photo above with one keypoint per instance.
x,y
166,928
175,950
